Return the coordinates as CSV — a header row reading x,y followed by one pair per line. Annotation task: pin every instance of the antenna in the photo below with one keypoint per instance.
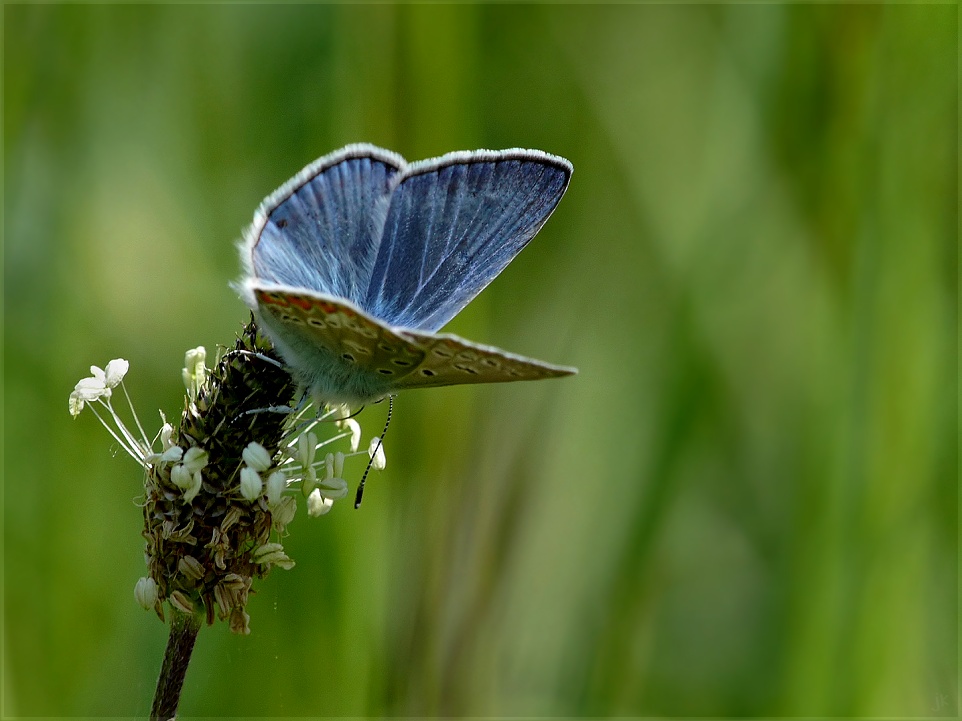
x,y
360,486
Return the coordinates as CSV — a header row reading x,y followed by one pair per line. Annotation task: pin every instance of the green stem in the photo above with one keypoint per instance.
x,y
183,632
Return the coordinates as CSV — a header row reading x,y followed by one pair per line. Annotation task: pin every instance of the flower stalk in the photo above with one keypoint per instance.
x,y
184,628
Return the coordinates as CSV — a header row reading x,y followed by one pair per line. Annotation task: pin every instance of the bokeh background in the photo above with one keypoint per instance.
x,y
745,504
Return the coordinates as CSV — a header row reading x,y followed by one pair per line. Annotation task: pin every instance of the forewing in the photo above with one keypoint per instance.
x,y
454,223
319,231
449,360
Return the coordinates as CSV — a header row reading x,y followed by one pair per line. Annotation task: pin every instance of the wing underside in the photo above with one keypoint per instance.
x,y
450,360
374,359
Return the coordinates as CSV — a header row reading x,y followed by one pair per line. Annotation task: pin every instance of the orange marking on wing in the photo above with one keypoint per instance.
x,y
271,298
300,302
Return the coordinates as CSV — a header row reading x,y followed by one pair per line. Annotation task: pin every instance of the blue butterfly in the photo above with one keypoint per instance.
x,y
353,265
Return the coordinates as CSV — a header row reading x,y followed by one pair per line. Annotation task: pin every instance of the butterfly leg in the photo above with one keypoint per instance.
x,y
260,356
287,410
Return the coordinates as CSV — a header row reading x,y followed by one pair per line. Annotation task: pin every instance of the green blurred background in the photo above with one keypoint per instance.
x,y
746,502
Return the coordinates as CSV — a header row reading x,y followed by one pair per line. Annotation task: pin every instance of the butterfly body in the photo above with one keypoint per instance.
x,y
354,264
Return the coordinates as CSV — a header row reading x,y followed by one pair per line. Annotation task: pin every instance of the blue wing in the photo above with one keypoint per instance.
x,y
319,231
454,223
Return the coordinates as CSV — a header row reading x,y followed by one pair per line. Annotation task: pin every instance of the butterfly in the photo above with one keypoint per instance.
x,y
353,265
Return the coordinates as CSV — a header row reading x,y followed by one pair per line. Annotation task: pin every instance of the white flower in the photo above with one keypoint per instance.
x,y
194,489
195,360
355,428
333,486
318,505
195,459
91,389
101,382
195,370
376,451
181,477
97,386
276,484
306,449
251,485
256,456
146,593
172,455
188,480
116,370
166,436
75,404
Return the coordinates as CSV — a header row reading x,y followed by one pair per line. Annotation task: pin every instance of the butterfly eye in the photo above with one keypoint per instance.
x,y
399,362
385,371
316,322
427,372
